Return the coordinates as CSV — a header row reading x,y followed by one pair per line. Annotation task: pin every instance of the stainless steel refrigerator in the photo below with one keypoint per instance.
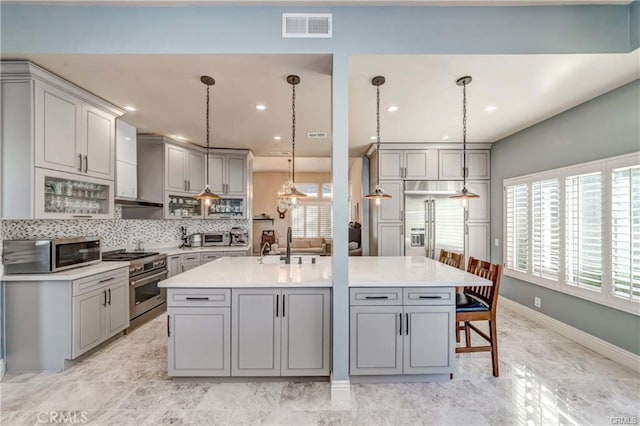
x,y
433,221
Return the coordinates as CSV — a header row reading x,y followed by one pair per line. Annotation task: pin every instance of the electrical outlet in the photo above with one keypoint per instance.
x,y
537,302
496,242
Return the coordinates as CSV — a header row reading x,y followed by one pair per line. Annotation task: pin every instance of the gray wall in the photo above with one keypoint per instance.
x,y
603,127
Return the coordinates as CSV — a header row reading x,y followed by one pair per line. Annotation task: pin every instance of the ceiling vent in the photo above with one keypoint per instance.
x,y
317,135
307,25
280,153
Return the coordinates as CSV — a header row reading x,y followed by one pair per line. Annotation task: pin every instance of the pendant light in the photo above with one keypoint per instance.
x,y
292,193
206,195
464,194
378,193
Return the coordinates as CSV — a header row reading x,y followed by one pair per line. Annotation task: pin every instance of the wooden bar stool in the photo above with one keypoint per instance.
x,y
480,304
451,258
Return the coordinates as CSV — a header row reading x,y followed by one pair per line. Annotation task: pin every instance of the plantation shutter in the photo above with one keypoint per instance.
x,y
517,227
583,230
297,221
311,219
625,232
545,238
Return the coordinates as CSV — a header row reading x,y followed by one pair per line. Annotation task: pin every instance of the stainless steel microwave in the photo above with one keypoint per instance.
x,y
49,255
215,239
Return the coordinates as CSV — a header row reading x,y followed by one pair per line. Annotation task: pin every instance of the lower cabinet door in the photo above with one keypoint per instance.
x,y
173,266
305,332
376,340
199,341
429,342
117,308
185,266
255,332
88,321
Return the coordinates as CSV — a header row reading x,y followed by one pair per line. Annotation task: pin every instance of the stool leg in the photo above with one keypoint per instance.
x,y
457,332
467,334
494,347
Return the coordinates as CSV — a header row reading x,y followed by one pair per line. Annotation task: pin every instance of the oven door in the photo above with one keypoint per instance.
x,y
145,293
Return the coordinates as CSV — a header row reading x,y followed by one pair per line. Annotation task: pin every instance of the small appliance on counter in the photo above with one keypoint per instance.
x,y
212,239
49,255
239,236
195,240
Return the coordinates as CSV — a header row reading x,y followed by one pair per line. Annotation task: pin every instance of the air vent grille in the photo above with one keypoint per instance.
x,y
307,25
317,135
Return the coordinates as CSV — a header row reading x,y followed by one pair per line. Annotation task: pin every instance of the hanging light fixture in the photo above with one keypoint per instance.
x,y
206,195
291,193
464,194
378,193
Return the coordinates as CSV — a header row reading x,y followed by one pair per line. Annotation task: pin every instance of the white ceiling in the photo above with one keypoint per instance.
x,y
303,164
170,98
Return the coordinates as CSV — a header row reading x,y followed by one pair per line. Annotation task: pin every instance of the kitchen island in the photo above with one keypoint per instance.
x,y
238,317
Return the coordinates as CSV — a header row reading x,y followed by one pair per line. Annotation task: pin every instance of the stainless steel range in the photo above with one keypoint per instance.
x,y
146,299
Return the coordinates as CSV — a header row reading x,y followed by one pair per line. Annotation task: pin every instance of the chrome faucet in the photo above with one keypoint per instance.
x,y
264,246
287,259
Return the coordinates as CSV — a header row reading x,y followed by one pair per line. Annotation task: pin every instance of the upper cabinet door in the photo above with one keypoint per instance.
x,y
479,208
420,165
479,164
236,175
451,163
58,117
216,174
175,168
195,167
390,164
390,210
99,135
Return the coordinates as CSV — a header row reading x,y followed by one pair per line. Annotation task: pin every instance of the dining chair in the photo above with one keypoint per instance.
x,y
479,303
451,258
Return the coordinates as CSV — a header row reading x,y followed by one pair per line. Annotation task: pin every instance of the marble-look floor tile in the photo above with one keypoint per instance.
x,y
166,396
248,396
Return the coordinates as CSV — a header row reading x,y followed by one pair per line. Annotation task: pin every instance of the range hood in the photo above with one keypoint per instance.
x,y
136,203
432,187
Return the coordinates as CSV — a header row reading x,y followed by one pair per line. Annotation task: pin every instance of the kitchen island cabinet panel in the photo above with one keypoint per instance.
x,y
428,343
90,320
376,340
255,333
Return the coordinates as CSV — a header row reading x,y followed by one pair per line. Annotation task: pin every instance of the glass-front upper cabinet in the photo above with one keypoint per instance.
x,y
180,206
65,196
225,208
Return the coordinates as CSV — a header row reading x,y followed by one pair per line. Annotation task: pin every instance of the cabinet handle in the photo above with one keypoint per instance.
x,y
407,328
82,216
86,163
277,304
283,304
188,185
106,279
109,297
168,326
197,298
104,292
400,314
80,162
430,297
376,297
185,184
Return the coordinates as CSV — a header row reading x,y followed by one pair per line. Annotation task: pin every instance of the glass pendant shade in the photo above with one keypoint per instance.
x,y
206,194
464,194
378,193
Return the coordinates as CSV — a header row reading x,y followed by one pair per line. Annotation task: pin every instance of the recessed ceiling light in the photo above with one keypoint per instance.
x,y
373,138
129,108
490,108
392,108
277,138
261,107
445,137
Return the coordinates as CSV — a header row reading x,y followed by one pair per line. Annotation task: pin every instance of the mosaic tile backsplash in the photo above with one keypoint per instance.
x,y
117,232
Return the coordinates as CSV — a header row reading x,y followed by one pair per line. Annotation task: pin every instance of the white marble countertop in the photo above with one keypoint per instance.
x,y
247,272
171,251
409,271
363,272
69,274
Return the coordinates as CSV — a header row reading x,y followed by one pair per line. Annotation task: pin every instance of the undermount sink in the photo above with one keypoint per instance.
x,y
295,259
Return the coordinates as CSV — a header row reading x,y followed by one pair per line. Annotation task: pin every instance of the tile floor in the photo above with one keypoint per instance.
x,y
544,379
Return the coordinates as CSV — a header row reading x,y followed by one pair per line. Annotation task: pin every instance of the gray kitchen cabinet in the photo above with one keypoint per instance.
x,y
255,332
199,341
189,261
217,173
478,240
228,174
376,340
207,257
390,239
173,265
126,160
184,169
99,130
451,164
236,253
280,332
391,210
391,164
390,335
90,320
420,165
187,266
478,209
306,332
118,308
195,171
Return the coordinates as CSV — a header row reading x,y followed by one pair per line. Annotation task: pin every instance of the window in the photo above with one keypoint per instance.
x,y
311,216
577,230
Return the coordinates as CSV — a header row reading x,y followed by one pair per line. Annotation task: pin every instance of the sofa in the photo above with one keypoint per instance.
x,y
301,246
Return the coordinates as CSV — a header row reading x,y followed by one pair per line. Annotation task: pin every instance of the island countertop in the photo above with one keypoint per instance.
x,y
367,271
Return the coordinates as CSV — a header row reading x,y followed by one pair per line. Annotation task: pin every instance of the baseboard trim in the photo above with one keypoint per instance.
x,y
604,348
340,390
3,368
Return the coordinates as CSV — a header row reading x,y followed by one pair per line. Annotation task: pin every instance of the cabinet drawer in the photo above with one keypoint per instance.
x,y
94,282
199,297
191,257
375,296
429,296
208,257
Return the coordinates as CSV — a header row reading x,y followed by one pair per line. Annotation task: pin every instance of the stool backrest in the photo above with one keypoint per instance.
x,y
451,258
489,271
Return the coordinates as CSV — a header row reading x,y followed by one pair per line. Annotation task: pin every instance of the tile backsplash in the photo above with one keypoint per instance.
x,y
117,232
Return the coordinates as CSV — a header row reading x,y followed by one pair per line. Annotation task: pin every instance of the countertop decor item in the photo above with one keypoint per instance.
x,y
378,193
464,194
206,195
